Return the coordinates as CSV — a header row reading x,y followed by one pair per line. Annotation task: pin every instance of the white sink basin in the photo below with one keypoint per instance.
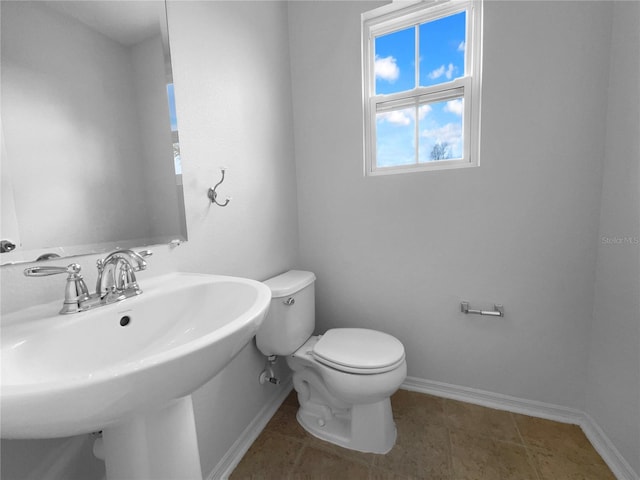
x,y
71,374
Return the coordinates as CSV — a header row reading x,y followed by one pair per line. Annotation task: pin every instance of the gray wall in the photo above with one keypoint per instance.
x,y
398,253
613,385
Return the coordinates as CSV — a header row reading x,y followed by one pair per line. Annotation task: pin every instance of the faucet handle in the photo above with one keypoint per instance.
x,y
75,292
44,271
141,263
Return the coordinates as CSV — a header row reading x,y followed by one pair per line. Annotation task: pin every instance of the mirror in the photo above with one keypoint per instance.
x,y
90,151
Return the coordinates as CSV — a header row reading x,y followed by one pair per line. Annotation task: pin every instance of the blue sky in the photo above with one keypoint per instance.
x,y
172,107
441,54
174,127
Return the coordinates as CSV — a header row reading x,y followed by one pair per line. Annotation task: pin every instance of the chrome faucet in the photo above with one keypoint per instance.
x,y
116,280
116,277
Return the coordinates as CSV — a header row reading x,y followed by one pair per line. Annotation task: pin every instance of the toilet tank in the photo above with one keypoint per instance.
x,y
291,318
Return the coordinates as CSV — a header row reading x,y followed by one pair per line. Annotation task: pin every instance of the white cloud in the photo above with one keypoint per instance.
x,y
461,46
454,106
387,69
396,117
437,73
450,133
404,117
423,111
447,71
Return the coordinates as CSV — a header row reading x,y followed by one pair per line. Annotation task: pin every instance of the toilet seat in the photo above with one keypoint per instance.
x,y
359,350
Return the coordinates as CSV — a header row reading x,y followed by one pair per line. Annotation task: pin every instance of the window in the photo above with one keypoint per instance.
x,y
421,82
177,160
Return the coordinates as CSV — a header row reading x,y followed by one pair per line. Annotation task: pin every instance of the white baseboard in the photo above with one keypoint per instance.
x,y
495,400
603,445
607,450
230,460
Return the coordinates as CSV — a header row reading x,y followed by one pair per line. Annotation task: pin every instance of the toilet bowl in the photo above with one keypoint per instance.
x,y
344,378
349,408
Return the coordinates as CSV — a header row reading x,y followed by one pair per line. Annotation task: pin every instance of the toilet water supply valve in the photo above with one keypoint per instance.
x,y
267,374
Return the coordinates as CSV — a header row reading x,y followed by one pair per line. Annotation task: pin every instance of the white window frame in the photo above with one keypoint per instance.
x,y
401,15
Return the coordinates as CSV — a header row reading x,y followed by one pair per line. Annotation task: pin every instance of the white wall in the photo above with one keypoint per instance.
x,y
231,72
398,253
613,386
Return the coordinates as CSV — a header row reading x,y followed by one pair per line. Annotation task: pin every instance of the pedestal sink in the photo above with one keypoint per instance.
x,y
128,369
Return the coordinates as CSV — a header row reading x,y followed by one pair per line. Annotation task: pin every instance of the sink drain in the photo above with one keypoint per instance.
x,y
124,321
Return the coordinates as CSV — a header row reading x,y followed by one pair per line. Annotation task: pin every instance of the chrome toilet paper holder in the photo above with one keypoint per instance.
x,y
498,310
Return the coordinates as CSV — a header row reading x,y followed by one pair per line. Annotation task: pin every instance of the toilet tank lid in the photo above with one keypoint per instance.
x,y
289,282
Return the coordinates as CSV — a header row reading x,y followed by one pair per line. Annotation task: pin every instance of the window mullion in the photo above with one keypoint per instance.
x,y
417,132
417,57
416,122
467,28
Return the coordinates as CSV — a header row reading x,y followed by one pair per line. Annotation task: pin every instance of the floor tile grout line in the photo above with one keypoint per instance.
x,y
296,462
451,472
449,428
532,461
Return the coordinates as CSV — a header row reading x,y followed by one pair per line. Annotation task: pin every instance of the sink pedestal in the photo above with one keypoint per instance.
x,y
159,444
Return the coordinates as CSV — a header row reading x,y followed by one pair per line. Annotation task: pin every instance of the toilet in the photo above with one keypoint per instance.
x,y
344,378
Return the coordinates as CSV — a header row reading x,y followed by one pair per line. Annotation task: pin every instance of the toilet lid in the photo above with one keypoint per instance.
x,y
359,350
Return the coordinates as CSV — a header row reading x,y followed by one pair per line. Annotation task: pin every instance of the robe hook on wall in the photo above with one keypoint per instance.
x,y
213,195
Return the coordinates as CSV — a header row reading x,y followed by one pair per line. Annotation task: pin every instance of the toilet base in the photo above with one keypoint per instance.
x,y
353,427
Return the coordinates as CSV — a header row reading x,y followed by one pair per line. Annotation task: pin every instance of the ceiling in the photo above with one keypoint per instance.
x,y
125,21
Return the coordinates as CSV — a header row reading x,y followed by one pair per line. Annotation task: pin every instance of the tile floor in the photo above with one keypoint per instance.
x,y
437,439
